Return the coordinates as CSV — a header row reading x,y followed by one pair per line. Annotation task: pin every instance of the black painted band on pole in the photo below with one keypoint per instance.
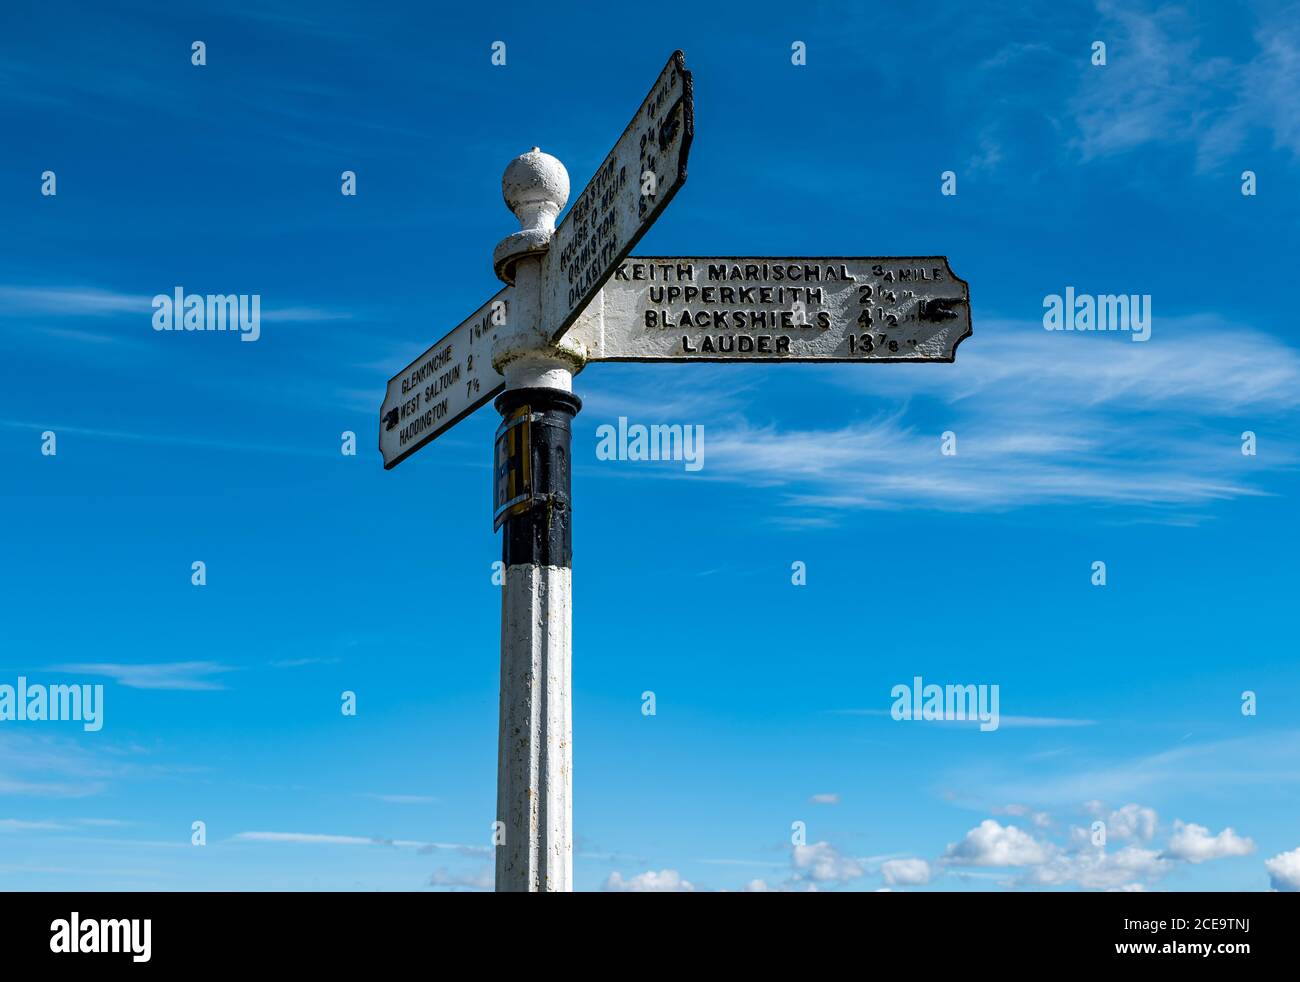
x,y
542,534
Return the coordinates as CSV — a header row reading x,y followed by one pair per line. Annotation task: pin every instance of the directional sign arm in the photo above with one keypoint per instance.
x,y
444,385
629,190
715,308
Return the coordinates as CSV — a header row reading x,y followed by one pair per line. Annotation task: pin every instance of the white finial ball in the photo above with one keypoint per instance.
x,y
536,187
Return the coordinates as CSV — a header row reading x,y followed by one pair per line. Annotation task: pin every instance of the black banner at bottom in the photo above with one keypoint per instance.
x,y
1225,933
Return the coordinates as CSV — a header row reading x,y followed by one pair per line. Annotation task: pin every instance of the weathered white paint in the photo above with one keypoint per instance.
x,y
624,197
444,385
524,355
550,287
640,313
535,742
539,373
535,187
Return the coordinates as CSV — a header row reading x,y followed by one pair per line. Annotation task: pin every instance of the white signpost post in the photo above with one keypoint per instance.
x,y
573,296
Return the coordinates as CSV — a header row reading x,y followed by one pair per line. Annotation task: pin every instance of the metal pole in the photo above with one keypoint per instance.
x,y
535,751
535,740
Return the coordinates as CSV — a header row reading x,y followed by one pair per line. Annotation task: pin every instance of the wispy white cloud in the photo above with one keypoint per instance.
x,y
1013,721
480,879
1153,85
49,789
1239,762
52,766
743,862
79,301
1040,819
165,439
1015,365
1163,84
327,839
89,301
291,315
308,838
1039,417
184,675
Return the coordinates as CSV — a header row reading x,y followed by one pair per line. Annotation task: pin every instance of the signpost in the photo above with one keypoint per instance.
x,y
631,187
574,296
778,309
442,386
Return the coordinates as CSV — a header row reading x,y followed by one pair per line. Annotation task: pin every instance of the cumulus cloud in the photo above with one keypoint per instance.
x,y
1091,865
991,844
663,881
823,863
1195,844
1099,869
1126,860
1284,871
1131,821
905,872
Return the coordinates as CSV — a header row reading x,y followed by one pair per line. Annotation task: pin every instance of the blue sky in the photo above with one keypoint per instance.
x,y
1119,703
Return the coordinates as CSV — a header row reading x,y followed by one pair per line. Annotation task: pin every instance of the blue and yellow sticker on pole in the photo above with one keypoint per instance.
x,y
512,478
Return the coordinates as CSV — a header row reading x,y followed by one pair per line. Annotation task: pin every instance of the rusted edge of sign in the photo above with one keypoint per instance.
x,y
970,329
678,60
